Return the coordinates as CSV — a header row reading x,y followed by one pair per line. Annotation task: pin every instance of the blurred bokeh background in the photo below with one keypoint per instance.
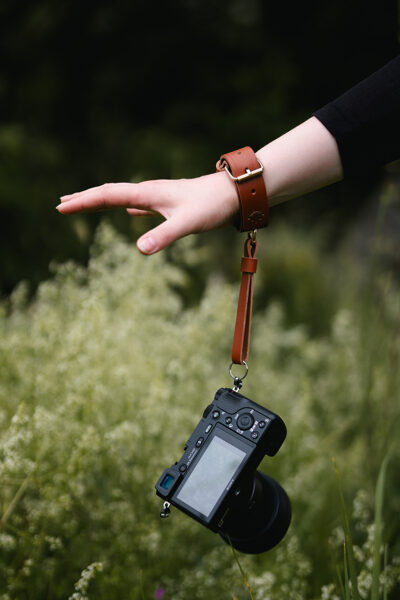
x,y
94,92
107,358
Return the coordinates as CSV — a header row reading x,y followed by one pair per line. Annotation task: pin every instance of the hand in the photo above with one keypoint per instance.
x,y
188,205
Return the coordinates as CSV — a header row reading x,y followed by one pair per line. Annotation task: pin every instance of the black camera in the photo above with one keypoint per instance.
x,y
216,481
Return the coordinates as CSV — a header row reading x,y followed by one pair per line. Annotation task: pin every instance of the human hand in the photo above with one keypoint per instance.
x,y
187,205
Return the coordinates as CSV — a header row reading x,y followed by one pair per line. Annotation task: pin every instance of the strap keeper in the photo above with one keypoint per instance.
x,y
248,265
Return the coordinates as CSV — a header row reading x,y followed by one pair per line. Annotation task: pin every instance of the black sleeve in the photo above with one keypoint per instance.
x,y
366,121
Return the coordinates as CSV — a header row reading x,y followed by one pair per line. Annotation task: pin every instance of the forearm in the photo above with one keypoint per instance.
x,y
304,159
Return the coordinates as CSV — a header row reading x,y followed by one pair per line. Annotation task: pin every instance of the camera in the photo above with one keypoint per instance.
x,y
216,480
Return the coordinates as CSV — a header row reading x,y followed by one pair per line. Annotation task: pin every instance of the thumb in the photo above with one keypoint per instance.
x,y
161,236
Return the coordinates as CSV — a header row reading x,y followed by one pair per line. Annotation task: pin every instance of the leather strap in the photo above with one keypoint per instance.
x,y
241,337
246,171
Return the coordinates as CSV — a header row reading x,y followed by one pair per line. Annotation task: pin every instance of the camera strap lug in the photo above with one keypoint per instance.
x,y
164,514
238,381
237,384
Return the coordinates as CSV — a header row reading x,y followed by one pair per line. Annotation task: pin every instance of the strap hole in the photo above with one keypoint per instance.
x,y
253,191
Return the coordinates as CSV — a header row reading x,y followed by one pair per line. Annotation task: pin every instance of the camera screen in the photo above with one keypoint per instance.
x,y
211,475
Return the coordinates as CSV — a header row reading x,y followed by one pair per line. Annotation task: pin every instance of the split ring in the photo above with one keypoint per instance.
x,y
244,363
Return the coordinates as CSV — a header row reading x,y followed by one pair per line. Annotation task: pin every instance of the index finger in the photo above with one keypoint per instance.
x,y
109,195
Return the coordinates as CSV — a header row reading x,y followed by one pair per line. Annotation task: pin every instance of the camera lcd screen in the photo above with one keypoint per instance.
x,y
204,486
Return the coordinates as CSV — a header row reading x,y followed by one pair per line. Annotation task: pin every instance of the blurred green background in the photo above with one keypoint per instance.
x,y
107,358
92,92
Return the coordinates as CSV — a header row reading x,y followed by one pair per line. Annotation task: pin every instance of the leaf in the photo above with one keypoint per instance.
x,y
348,540
346,573
341,586
244,576
379,496
384,570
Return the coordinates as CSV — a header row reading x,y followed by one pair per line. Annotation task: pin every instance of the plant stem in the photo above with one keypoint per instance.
x,y
9,510
244,577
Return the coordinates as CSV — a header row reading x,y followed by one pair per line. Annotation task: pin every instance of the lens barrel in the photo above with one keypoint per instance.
x,y
261,519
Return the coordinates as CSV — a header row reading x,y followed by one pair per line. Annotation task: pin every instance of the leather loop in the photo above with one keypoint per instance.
x,y
241,337
245,169
248,265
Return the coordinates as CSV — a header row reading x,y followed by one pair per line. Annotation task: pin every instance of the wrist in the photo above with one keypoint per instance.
x,y
220,195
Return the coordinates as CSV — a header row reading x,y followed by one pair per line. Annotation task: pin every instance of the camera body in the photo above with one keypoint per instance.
x,y
216,482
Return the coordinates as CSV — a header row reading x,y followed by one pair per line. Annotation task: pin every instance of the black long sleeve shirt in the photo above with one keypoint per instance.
x,y
365,121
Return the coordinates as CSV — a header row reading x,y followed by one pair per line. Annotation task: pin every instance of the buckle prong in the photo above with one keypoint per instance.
x,y
246,176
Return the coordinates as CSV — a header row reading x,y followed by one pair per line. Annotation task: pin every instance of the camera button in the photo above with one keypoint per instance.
x,y
254,435
261,424
207,411
183,468
245,421
228,420
215,414
208,428
199,442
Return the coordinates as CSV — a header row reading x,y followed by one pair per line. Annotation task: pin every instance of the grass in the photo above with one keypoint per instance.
x,y
242,572
349,589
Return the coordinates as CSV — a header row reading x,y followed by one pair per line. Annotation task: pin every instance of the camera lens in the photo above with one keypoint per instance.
x,y
261,519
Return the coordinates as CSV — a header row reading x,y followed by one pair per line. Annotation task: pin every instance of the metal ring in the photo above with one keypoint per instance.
x,y
234,376
252,235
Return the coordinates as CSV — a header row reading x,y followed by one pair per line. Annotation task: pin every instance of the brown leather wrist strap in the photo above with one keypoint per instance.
x,y
246,172
241,337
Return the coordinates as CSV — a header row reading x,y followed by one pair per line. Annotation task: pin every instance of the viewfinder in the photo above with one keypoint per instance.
x,y
167,482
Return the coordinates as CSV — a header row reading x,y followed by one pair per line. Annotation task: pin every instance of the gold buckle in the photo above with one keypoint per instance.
x,y
248,175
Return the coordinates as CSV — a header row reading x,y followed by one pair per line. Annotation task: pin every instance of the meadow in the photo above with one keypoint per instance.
x,y
104,374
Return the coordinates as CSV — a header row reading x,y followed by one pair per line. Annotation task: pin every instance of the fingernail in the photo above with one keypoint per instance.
x,y
146,245
58,207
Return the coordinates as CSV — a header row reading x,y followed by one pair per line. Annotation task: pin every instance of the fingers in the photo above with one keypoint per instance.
x,y
161,236
136,212
187,205
110,195
142,199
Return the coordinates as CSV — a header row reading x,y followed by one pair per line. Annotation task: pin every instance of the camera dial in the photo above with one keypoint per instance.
x,y
245,421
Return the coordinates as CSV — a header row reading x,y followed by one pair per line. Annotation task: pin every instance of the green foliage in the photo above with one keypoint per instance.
x,y
103,377
133,90
295,269
365,574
